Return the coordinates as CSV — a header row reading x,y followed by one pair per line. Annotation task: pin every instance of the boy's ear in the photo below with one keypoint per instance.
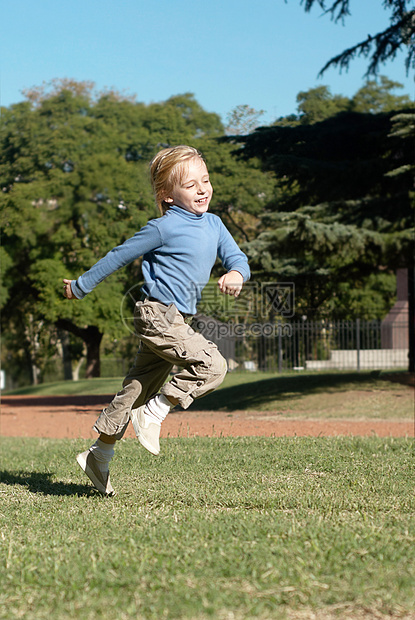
x,y
167,198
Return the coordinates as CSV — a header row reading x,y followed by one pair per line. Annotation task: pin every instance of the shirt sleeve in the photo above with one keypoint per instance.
x,y
145,240
232,257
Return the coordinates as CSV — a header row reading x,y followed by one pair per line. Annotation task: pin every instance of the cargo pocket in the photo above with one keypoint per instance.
x,y
153,319
189,355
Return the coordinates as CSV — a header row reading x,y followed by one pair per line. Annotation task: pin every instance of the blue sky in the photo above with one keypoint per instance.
x,y
227,52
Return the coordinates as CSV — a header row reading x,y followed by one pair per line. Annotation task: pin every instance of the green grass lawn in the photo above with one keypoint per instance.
x,y
65,388
308,394
213,528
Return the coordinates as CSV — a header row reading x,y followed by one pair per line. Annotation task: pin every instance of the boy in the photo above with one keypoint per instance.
x,y
179,250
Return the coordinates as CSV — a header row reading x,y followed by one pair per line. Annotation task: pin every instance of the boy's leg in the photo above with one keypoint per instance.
x,y
202,368
144,379
165,332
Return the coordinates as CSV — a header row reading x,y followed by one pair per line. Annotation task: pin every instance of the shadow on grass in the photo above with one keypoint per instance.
x,y
37,482
255,394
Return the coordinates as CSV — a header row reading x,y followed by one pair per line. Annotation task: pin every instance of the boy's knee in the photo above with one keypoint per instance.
x,y
208,369
219,365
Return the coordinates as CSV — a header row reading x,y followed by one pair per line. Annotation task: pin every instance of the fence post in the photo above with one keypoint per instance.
x,y
358,344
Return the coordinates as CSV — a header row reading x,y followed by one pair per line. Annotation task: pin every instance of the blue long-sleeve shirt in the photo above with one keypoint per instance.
x,y
179,250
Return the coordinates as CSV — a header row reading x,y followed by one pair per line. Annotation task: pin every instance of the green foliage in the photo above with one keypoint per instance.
x,y
74,181
345,205
403,129
317,104
5,263
366,298
380,47
377,96
320,159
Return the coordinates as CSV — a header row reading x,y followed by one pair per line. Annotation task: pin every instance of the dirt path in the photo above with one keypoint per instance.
x,y
73,417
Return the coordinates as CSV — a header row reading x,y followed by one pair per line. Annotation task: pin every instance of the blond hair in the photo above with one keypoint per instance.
x,y
168,168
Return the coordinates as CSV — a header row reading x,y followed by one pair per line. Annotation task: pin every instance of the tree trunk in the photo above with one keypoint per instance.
x,y
93,342
32,330
66,355
35,374
92,338
76,369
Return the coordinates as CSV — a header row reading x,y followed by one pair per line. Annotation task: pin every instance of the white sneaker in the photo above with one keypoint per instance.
x,y
100,480
148,432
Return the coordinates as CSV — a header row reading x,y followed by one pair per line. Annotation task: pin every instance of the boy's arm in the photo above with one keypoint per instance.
x,y
146,240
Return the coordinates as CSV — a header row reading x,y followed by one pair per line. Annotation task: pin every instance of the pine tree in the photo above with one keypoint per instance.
x,y
380,47
344,210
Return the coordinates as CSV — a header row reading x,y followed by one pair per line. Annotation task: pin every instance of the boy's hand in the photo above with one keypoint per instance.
x,y
67,291
231,283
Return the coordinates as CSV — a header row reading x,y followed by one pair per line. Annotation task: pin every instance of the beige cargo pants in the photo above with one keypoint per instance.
x,y
166,340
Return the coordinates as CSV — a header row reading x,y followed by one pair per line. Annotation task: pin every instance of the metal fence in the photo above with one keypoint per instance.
x,y
294,345
316,345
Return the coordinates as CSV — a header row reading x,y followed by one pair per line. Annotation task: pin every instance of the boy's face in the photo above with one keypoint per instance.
x,y
194,192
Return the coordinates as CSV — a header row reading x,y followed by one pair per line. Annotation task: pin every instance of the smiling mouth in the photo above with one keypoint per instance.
x,y
202,200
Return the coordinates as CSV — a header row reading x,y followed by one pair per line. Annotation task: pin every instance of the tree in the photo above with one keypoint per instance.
x,y
403,129
74,179
344,209
242,120
317,104
73,169
60,195
379,47
377,97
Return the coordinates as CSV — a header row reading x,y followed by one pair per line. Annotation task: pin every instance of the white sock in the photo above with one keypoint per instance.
x,y
157,408
103,453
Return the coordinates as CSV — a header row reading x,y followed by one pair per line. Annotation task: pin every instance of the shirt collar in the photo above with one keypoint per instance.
x,y
185,213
